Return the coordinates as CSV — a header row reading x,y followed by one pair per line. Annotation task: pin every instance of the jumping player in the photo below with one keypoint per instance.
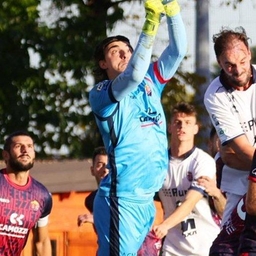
x,y
130,117
25,204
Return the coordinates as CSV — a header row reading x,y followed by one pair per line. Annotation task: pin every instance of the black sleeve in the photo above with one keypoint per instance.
x,y
88,202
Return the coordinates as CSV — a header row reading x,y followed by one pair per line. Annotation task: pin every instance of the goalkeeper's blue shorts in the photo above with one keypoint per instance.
x,y
121,224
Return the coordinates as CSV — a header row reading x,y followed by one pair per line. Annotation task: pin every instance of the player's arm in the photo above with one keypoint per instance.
x,y
236,150
141,57
176,50
219,200
180,213
42,241
238,153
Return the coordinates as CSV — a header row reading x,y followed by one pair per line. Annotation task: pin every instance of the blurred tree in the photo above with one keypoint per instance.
x,y
50,96
50,100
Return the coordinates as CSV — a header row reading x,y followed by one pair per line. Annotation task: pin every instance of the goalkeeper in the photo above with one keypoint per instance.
x,y
128,111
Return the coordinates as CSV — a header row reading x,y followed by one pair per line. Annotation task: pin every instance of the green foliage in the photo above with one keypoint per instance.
x,y
50,99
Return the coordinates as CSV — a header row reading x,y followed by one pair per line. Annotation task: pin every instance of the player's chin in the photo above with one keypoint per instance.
x,y
123,66
241,81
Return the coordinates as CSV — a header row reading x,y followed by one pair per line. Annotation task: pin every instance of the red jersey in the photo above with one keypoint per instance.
x,y
228,239
21,207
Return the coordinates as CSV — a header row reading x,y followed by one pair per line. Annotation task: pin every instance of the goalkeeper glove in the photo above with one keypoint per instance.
x,y
154,12
171,7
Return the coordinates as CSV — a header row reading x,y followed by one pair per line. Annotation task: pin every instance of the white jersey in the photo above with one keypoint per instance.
x,y
233,113
195,234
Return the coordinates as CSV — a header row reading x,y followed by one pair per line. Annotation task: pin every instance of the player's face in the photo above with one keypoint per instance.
x,y
99,169
22,154
235,62
183,127
117,56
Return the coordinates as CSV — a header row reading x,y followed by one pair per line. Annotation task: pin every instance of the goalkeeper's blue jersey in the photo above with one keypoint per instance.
x,y
134,134
131,119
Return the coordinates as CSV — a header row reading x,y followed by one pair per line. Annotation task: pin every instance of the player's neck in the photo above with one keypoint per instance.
x,y
180,149
19,178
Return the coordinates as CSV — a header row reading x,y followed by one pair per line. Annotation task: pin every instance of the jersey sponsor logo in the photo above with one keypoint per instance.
x,y
17,219
241,213
152,117
188,227
174,192
248,126
241,209
4,200
14,230
251,123
253,172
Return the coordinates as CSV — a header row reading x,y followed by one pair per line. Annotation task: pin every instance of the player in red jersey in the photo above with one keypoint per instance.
x,y
25,204
248,236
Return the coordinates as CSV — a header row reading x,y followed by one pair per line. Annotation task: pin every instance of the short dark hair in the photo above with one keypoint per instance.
x,y
8,140
99,53
98,151
222,39
184,107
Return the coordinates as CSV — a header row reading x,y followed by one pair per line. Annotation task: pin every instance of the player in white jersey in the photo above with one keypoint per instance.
x,y
188,223
230,102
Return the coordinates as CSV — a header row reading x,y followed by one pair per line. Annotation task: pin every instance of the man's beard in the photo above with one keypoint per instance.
x,y
232,80
20,167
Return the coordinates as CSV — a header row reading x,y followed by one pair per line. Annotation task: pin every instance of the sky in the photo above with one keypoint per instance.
x,y
219,15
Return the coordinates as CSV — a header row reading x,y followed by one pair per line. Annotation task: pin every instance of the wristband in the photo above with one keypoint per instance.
x,y
150,28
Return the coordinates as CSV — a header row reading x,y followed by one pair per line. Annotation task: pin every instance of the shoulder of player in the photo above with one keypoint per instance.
x,y
39,185
100,87
202,155
214,87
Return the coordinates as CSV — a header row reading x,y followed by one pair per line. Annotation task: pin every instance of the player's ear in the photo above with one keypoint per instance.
x,y
219,62
5,155
169,128
196,129
103,64
250,54
92,171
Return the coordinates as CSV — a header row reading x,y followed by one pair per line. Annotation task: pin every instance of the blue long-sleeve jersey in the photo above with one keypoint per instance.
x,y
131,119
